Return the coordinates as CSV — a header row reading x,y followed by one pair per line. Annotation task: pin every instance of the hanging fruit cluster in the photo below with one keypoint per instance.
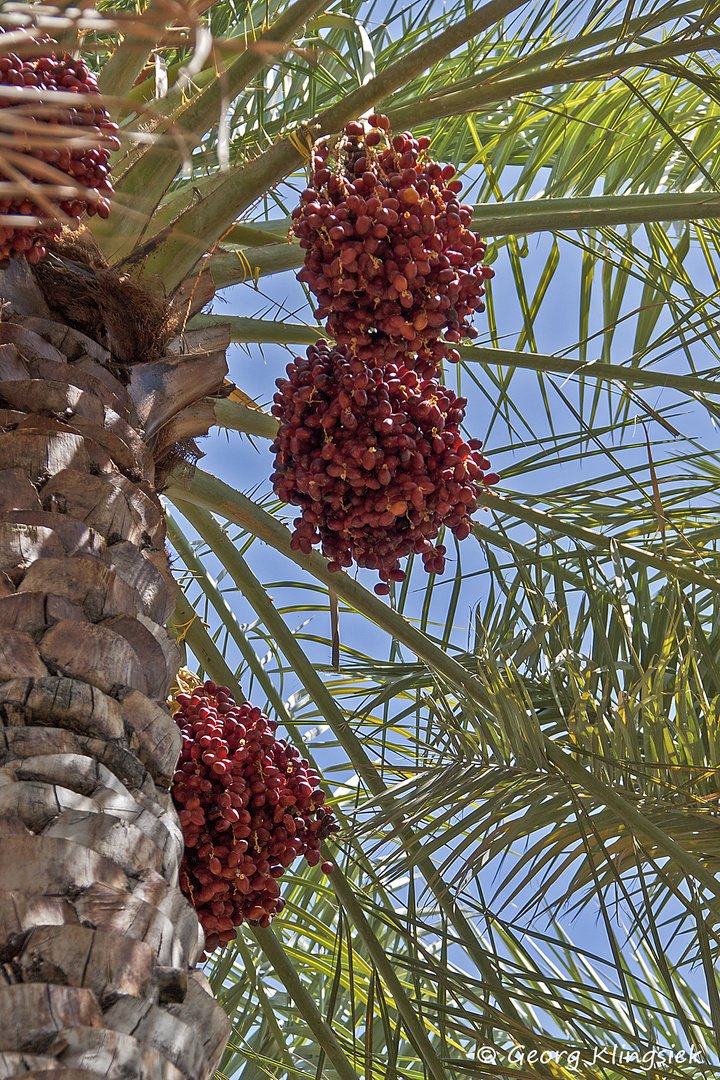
x,y
369,442
390,256
75,140
248,804
375,458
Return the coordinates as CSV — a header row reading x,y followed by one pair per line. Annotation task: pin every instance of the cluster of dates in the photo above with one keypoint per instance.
x,y
390,256
50,143
369,444
249,805
375,459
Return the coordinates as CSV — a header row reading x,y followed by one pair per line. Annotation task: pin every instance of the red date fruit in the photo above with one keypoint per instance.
x,y
88,164
381,487
243,825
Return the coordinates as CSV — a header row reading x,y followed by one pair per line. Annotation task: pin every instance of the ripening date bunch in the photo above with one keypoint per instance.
x,y
249,805
86,164
389,252
374,457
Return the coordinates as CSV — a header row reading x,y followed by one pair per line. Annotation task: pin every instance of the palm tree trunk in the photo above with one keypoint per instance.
x,y
97,945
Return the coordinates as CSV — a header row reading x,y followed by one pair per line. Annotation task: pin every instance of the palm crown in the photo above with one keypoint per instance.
x,y
527,856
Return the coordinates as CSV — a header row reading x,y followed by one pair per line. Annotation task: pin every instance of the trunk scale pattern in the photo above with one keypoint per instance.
x,y
98,946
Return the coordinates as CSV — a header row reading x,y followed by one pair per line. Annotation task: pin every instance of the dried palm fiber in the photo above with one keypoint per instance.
x,y
132,322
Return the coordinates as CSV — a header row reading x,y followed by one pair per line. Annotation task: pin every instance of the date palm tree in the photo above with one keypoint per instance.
x,y
523,754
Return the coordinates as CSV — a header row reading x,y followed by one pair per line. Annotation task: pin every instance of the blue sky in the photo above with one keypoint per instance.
x,y
246,467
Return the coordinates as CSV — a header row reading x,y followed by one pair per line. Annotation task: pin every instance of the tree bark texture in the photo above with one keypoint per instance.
x,y
98,946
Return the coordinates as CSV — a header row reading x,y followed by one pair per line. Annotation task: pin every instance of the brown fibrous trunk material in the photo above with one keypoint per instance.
x,y
98,946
